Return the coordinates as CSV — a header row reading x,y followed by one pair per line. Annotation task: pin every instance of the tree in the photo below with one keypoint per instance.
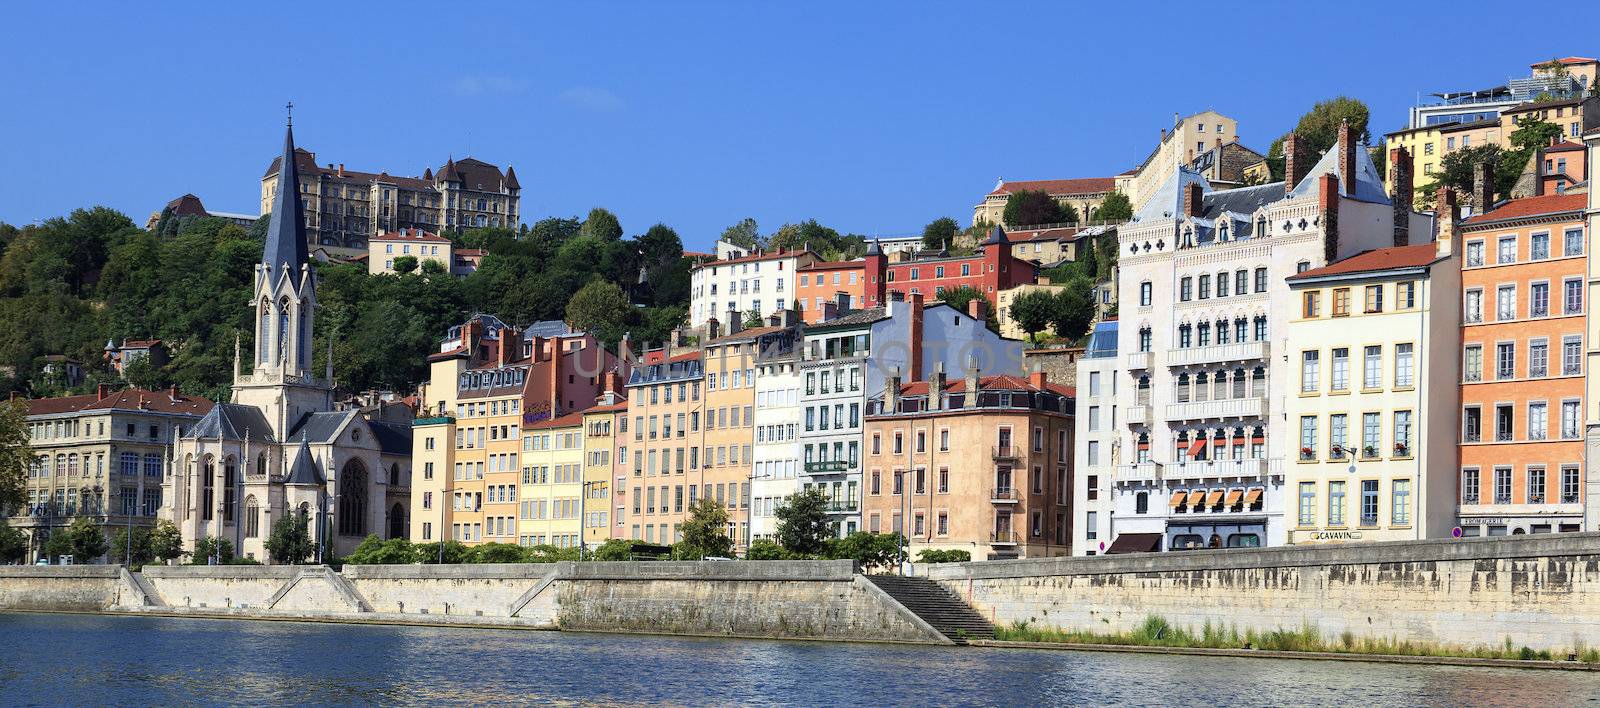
x,y
746,234
705,532
376,551
290,542
405,264
803,525
615,549
1074,309
1034,310
1030,208
431,553
934,555
140,547
960,297
15,456
166,543
83,540
752,319
601,224
940,234
496,553
871,550
1319,128
1116,209
13,543
766,549
432,267
600,309
207,546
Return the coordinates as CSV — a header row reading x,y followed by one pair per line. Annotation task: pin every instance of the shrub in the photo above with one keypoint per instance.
x,y
453,551
765,549
935,555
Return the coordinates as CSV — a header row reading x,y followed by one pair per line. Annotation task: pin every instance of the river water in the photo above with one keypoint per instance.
x,y
51,660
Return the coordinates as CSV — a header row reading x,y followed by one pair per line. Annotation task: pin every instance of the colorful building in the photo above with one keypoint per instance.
x,y
992,269
548,506
384,248
763,283
1094,438
601,441
666,406
840,285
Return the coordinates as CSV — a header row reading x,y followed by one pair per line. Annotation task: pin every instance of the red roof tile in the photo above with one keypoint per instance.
x,y
1564,146
566,421
1568,61
1001,382
1082,185
1378,259
1533,206
773,256
833,265
126,399
410,235
609,408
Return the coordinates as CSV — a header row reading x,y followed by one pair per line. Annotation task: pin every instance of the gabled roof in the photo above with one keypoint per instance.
x,y
231,421
392,438
1369,186
1565,61
1167,201
1000,382
1564,146
128,399
321,427
1376,260
304,469
475,175
409,235
1057,187
1533,206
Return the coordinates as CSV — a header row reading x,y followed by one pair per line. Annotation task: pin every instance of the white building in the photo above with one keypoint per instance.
x,y
1203,307
775,472
1096,433
763,282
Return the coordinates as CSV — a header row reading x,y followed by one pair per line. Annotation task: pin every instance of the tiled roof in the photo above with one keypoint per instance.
x,y
773,256
410,235
139,343
566,421
1458,126
609,408
1564,146
744,334
1082,185
1000,382
1533,206
130,399
1568,61
476,175
1376,260
833,265
1541,105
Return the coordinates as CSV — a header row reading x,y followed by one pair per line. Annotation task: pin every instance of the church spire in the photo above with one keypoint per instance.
x,y
286,233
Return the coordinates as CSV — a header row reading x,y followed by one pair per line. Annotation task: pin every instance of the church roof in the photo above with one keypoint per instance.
x,y
231,421
321,427
286,232
304,469
393,438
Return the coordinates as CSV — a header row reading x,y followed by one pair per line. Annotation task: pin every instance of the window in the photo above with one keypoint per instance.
x,y
1505,360
1472,307
1405,296
1222,285
1308,503
1506,250
1538,358
1185,289
1469,485
1539,246
1536,476
1340,369
1504,424
1308,437
1312,305
1472,363
1572,296
1572,242
1261,280
1570,423
1571,356
1400,502
1569,484
1471,424
1145,289
1369,502
1402,433
1241,282
1374,299
1505,302
1502,485
1474,254
1372,366
1539,300
1205,287
1338,435
1538,420
1370,435
1341,302
1309,376
1336,503
1403,370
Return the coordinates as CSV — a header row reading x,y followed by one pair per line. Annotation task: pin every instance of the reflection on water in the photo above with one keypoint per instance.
x,y
106,660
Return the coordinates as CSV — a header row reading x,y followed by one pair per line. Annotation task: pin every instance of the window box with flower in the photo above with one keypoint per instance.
x,y
1307,454
1402,450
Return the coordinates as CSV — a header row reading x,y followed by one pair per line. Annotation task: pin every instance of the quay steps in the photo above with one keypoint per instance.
x,y
936,606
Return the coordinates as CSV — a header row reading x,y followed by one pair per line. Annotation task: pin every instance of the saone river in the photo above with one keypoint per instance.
x,y
52,660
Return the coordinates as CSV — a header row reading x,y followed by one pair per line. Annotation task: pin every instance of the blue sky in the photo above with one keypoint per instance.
x,y
872,118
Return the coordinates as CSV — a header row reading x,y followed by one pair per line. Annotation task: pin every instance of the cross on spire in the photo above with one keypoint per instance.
x,y
289,107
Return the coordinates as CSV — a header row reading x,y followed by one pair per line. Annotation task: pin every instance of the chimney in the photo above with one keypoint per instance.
x,y
915,345
173,391
1402,194
101,391
891,393
1347,158
787,318
1539,171
625,345
554,391
1328,208
774,320
1482,186
970,400
341,169
829,311
936,387
1296,161
1449,219
1037,377
841,302
713,328
674,339
1192,199
978,309
735,322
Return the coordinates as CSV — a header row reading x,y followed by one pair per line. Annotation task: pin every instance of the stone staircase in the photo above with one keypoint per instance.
x,y
936,606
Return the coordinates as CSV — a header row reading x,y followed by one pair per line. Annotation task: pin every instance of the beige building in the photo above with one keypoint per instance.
x,y
1008,326
1084,194
344,209
102,455
1190,137
1377,341
601,438
550,511
385,248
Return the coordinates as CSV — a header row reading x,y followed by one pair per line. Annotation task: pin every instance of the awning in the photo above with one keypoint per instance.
x,y
1135,543
1252,496
1177,499
1197,446
1197,498
1213,498
1233,497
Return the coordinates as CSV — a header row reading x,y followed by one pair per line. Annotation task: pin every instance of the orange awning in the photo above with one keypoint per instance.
x,y
1197,498
1197,446
1177,499
1214,498
1233,497
1252,496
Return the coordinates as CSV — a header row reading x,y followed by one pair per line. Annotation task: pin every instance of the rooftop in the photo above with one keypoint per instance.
x,y
1533,206
1375,261
128,399
410,235
1055,187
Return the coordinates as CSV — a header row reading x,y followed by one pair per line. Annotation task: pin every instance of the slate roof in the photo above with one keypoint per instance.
x,y
476,175
231,421
1369,186
304,469
319,427
285,248
855,317
1167,201
393,438
549,328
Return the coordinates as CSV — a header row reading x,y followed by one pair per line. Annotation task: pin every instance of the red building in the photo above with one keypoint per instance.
x,y
992,269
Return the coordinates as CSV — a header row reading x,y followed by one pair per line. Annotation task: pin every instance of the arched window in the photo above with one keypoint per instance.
x,y
1202,389
1144,339
353,499
283,332
1185,336
1144,391
397,521
230,482
1258,383
1238,383
1219,389
261,463
264,332
1222,331
394,474
304,314
208,489
252,517
1182,391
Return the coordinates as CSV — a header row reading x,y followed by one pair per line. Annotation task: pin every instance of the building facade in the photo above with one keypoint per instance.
x,y
1377,340
384,248
992,269
1189,137
667,406
550,505
763,283
1095,435
776,463
1085,195
840,284
601,440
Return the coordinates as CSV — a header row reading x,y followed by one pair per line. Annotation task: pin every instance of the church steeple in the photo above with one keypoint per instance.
x,y
286,233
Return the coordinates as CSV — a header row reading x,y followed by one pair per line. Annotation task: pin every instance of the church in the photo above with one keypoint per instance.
x,y
280,445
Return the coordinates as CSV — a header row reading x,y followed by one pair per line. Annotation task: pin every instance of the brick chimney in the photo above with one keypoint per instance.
x,y
891,393
916,336
1347,158
1037,378
841,302
936,387
1193,198
1449,220
978,309
1328,209
713,328
1297,161
172,391
1403,194
101,391
829,310
735,322
970,400
1482,186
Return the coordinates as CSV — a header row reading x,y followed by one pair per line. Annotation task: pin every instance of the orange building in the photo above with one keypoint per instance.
x,y
925,459
1522,390
837,283
662,450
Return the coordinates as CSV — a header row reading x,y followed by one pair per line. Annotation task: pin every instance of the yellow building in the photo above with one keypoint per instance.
x,y
1428,145
730,368
552,481
1377,344
1008,326
385,248
1190,137
601,426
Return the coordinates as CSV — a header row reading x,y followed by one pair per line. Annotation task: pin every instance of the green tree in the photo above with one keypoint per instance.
x,y
207,546
1074,309
766,549
934,555
705,532
803,525
871,550
1030,208
601,309
1034,311
940,234
615,549
430,553
143,373
140,546
15,455
752,319
496,553
1319,128
432,267
13,543
1116,209
376,551
746,234
405,264
166,543
601,224
289,542
83,540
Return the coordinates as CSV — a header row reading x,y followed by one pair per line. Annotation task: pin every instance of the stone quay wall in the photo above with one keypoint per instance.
x,y
776,599
1541,591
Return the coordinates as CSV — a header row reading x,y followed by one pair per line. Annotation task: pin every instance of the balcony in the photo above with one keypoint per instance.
x,y
827,467
1004,495
1003,538
1253,407
1142,472
1139,415
1141,360
843,506
1218,353
1006,452
1224,469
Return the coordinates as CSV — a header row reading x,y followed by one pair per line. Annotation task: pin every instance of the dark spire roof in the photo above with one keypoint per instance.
x,y
286,233
511,178
449,174
304,469
873,249
427,173
997,237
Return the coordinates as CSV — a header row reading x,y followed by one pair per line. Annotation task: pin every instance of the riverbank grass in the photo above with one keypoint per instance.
x,y
1157,631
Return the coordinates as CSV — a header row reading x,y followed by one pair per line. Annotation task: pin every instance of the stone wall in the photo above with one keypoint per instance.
x,y
68,588
1541,591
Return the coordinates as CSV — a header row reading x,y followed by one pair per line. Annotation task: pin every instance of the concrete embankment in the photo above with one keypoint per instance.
x,y
1541,591
778,599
